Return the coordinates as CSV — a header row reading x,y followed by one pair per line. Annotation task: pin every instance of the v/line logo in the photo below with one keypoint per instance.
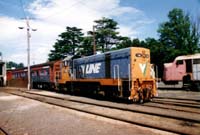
x,y
143,68
91,68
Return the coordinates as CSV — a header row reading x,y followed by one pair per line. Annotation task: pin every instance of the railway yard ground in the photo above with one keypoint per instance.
x,y
42,112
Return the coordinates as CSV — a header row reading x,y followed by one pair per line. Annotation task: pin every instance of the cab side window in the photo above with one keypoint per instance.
x,y
179,62
196,61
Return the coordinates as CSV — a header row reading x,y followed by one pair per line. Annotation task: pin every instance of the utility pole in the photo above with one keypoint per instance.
x,y
94,42
28,51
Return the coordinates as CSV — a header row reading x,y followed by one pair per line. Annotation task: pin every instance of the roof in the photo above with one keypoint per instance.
x,y
1,62
167,64
34,66
67,58
185,57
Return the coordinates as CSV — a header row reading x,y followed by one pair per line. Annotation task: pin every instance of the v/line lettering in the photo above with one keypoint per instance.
x,y
91,68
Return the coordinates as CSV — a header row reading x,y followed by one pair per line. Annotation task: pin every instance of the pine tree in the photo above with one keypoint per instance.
x,y
68,44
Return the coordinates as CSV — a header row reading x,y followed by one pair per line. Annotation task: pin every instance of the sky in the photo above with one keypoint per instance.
x,y
136,19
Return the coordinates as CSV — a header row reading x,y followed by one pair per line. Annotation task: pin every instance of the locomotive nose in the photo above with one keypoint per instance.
x,y
143,94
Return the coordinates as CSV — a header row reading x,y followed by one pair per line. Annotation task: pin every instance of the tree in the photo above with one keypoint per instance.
x,y
86,47
68,44
123,43
195,30
177,36
136,42
127,42
158,53
105,34
12,64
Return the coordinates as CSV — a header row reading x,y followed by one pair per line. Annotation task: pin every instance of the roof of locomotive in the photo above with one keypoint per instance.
x,y
185,57
101,55
67,58
33,66
43,64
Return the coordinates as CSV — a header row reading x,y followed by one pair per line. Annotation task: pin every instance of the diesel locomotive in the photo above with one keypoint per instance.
x,y
125,73
185,69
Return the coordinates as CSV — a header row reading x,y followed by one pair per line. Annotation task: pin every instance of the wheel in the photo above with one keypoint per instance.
x,y
196,86
187,82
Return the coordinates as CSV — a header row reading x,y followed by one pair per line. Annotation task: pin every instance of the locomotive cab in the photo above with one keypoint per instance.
x,y
63,73
142,75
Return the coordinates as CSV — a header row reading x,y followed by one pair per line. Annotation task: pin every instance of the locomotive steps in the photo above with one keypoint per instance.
x,y
182,122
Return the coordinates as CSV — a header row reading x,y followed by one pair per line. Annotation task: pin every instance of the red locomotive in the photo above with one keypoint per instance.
x,y
185,69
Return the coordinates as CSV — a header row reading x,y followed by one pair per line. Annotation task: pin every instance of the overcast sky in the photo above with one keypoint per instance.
x,y
136,18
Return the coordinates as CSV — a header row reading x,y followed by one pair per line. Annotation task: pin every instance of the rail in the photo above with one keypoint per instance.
x,y
150,115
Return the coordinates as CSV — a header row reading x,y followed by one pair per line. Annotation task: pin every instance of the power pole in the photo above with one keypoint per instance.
x,y
28,51
94,42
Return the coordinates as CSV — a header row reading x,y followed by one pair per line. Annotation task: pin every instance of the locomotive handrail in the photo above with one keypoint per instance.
x,y
74,74
129,77
116,67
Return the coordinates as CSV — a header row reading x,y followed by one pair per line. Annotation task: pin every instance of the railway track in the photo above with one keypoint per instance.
x,y
177,104
171,106
179,99
3,132
181,121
